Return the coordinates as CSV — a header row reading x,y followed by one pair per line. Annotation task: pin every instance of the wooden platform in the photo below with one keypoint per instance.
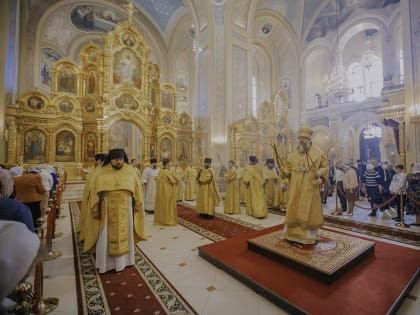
x,y
326,261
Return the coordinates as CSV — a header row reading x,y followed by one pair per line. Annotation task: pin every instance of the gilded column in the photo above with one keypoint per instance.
x,y
401,149
11,136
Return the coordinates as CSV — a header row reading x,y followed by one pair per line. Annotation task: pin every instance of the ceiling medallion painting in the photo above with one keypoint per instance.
x,y
94,18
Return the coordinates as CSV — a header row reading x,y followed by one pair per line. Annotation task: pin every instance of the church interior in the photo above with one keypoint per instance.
x,y
186,80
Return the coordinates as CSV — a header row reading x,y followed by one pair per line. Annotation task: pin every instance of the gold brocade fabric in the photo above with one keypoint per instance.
x,y
180,174
232,192
165,204
208,196
270,184
117,203
304,208
126,179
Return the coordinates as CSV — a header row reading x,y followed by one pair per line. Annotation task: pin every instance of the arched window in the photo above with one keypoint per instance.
x,y
366,81
356,81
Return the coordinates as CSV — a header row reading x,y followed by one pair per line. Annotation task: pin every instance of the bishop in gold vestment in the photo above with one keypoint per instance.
x,y
117,207
232,204
306,169
254,199
208,195
166,189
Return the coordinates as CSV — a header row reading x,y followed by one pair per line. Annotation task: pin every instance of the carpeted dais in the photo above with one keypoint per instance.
x,y
370,287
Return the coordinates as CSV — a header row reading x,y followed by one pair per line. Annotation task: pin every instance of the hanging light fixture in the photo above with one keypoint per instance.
x,y
368,55
336,83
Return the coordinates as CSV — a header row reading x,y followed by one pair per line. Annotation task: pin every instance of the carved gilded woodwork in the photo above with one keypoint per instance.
x,y
77,119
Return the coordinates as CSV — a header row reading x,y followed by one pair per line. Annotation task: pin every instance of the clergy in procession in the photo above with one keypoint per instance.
x,y
84,220
256,205
179,172
117,207
148,180
232,204
190,183
306,169
242,188
208,194
270,177
165,205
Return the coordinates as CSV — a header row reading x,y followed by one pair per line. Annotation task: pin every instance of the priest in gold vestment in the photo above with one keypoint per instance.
x,y
306,169
179,172
190,183
166,190
208,194
118,210
270,178
232,204
255,203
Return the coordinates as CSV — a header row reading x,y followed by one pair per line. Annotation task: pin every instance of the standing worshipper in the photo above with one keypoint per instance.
x,y
232,205
339,180
372,181
270,178
29,190
351,185
306,169
208,194
48,182
117,207
148,181
254,198
179,172
165,205
242,187
397,186
413,193
191,183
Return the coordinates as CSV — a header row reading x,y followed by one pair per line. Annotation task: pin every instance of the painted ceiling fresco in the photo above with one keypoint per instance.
x,y
327,20
160,10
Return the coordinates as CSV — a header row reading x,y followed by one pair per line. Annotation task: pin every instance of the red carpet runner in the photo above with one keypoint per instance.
x,y
139,289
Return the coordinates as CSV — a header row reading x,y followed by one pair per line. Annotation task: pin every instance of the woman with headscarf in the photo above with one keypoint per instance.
x,y
10,209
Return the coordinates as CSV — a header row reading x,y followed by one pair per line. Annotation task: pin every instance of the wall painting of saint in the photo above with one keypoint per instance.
x,y
34,146
65,147
90,147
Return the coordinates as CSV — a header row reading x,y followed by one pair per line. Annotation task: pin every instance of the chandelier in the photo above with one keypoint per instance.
x,y
368,55
372,131
336,82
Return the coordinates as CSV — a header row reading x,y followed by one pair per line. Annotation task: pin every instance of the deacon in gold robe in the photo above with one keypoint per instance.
x,y
306,168
208,194
166,188
254,199
191,183
281,194
179,172
232,204
118,210
84,219
270,178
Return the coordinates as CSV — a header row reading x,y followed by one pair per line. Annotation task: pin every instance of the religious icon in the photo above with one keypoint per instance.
x,y
66,106
181,151
66,81
35,102
90,147
127,68
128,39
64,147
166,99
34,145
166,149
91,83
